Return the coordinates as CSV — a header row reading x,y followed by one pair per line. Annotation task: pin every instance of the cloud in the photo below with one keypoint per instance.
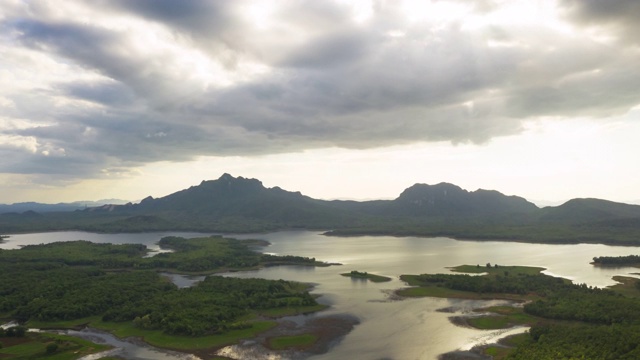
x,y
145,81
614,18
108,93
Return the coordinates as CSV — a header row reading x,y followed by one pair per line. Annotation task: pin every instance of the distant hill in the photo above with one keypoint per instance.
x,y
43,208
589,210
237,204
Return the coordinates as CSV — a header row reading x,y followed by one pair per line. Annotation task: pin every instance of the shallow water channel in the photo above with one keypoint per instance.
x,y
389,328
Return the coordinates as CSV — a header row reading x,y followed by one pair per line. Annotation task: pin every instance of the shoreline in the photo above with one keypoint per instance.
x,y
328,332
337,233
481,238
477,352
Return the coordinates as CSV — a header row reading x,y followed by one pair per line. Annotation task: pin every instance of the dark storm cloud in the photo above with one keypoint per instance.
x,y
331,50
107,52
106,93
617,18
326,80
197,16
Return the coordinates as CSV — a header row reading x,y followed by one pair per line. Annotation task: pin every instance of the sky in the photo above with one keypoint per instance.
x,y
336,99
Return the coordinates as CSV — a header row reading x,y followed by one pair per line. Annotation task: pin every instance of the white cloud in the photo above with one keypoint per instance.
x,y
22,143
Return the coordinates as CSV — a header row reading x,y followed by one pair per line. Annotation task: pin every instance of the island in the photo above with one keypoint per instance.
x,y
566,320
117,289
629,260
366,276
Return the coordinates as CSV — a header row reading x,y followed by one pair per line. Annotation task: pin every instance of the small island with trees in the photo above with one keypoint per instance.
x,y
366,276
629,260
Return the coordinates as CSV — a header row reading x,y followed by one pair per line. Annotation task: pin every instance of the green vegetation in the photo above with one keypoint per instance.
x,y
294,341
504,282
630,260
365,275
496,269
197,255
505,346
505,317
490,229
113,287
627,286
291,310
160,338
579,341
569,321
274,260
47,346
442,292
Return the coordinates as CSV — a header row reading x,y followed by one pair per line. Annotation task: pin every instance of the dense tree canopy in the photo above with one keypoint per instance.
x,y
74,280
617,260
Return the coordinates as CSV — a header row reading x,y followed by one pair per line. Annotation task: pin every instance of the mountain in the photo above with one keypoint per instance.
x,y
237,204
230,203
248,198
450,200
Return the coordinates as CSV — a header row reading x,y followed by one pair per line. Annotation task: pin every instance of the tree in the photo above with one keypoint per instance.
x,y
16,331
51,348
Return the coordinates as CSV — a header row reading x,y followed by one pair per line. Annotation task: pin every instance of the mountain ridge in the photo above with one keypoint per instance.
x,y
237,204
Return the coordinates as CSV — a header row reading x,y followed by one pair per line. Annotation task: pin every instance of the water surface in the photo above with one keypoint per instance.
x,y
390,328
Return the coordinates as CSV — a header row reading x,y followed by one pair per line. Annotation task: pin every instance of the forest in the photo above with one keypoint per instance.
x,y
76,280
575,321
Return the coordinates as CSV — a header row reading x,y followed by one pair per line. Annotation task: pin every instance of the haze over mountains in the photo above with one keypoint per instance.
x,y
237,204
41,207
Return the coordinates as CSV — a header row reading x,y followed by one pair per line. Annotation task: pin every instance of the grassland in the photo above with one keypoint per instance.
x,y
501,317
47,346
628,286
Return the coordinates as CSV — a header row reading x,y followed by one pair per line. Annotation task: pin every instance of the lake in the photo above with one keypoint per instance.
x,y
390,328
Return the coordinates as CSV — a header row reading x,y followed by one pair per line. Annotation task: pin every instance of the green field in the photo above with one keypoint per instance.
x,y
505,317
